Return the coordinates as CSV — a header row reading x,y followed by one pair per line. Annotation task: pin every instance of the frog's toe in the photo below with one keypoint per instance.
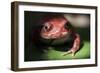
x,y
68,52
73,54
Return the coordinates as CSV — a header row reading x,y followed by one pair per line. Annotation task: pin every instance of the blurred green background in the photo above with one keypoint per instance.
x,y
34,52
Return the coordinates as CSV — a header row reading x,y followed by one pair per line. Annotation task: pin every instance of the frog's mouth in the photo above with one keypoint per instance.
x,y
57,41
54,36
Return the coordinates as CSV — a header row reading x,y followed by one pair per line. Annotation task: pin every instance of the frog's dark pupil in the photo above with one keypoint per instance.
x,y
46,27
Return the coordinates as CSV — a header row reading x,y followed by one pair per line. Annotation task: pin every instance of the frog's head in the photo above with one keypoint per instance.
x,y
54,27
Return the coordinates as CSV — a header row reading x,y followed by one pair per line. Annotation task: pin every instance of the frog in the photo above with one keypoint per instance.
x,y
57,27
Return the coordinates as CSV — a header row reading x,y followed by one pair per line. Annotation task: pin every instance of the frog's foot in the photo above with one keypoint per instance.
x,y
69,52
75,47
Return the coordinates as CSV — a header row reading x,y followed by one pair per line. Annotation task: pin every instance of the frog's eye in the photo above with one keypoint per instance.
x,y
47,27
68,25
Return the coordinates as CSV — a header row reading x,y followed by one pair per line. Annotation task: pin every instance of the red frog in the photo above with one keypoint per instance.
x,y
54,28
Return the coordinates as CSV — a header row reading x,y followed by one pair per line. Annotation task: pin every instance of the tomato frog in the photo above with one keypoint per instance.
x,y
57,27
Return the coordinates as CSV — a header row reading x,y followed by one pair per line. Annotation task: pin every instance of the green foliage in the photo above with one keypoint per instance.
x,y
83,53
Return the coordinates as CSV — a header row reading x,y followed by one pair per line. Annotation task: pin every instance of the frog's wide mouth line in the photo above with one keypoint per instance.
x,y
58,41
65,34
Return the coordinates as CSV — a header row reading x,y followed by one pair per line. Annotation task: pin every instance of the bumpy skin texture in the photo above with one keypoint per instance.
x,y
54,28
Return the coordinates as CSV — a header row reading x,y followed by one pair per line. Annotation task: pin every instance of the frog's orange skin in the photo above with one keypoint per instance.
x,y
54,29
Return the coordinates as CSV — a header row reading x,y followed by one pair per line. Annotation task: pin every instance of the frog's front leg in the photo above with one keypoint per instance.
x,y
75,47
